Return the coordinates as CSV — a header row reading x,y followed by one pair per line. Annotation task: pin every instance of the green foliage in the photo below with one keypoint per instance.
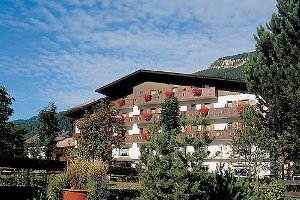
x,y
251,143
229,73
57,183
48,129
31,125
273,76
11,140
97,132
167,170
81,174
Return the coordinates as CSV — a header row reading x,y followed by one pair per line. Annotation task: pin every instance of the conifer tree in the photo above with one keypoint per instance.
x,y
48,129
273,76
168,170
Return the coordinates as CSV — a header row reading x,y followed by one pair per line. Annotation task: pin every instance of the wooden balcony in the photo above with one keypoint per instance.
x,y
135,139
216,113
185,95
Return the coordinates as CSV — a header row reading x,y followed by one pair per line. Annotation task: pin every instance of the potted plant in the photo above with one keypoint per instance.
x,y
147,97
197,91
169,94
83,179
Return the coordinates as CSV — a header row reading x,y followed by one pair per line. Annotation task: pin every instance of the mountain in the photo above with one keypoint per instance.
x,y
31,124
231,67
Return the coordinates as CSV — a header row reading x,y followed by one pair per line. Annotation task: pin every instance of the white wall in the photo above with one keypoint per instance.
x,y
135,111
134,151
222,100
135,130
220,126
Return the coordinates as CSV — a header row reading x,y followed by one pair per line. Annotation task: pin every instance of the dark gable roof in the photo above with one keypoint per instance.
x,y
79,111
124,85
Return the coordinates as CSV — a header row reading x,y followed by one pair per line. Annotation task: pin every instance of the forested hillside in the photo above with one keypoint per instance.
x,y
231,67
231,73
30,125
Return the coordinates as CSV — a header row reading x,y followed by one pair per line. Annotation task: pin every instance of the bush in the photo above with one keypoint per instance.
x,y
81,174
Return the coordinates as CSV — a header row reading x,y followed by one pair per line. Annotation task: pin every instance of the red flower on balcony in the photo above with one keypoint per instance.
x,y
121,119
203,111
145,136
120,102
169,94
147,116
241,107
197,91
147,97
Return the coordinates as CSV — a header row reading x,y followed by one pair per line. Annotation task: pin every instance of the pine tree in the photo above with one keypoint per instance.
x,y
11,139
48,129
168,170
273,76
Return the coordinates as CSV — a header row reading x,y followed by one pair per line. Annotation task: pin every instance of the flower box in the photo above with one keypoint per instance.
x,y
147,97
203,111
145,136
169,94
147,116
120,102
197,91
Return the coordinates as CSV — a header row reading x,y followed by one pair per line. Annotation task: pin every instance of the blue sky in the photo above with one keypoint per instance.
x,y
61,51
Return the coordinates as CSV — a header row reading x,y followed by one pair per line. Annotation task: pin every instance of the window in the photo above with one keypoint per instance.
x,y
207,127
124,152
153,110
153,92
194,107
207,105
141,130
245,101
229,104
174,90
229,125
195,128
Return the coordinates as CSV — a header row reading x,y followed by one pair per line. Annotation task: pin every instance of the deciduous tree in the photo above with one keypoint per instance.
x,y
11,138
100,131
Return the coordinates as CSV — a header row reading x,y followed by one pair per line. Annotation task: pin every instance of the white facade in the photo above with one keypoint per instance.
x,y
220,150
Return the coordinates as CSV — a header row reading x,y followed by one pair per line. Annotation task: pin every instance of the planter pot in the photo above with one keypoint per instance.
x,y
68,194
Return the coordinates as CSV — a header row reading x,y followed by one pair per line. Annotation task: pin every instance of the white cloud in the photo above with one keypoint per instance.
x,y
86,44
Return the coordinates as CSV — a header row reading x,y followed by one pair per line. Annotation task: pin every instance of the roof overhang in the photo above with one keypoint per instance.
x,y
124,85
79,111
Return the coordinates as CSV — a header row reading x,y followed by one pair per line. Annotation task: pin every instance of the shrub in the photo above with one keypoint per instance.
x,y
81,174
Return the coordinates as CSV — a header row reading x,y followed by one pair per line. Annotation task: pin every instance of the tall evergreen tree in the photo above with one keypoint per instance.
x,y
11,139
48,129
168,170
273,76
